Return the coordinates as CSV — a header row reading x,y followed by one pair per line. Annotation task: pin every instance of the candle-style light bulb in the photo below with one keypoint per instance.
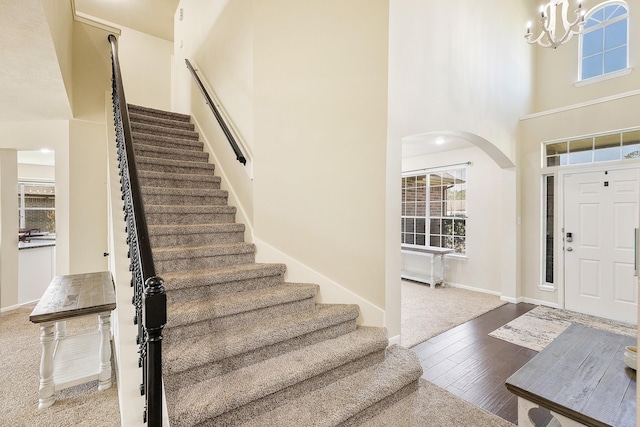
x,y
529,27
542,11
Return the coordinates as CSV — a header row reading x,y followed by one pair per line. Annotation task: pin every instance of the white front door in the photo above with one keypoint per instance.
x,y
600,215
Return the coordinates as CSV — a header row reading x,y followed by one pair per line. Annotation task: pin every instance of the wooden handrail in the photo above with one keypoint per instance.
x,y
223,125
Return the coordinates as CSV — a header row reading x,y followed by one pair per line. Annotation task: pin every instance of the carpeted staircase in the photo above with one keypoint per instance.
x,y
241,345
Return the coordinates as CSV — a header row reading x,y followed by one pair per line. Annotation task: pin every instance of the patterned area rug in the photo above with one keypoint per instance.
x,y
537,328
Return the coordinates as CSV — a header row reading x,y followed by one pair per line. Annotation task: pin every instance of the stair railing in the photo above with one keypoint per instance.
x,y
214,109
149,296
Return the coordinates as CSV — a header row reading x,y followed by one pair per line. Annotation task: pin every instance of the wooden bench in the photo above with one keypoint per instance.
x,y
71,360
581,378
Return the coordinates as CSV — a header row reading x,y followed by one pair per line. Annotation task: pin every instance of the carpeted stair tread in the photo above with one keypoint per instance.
x,y
180,252
189,214
198,351
173,166
159,130
185,196
219,276
184,313
170,153
149,178
138,109
344,399
263,379
160,121
148,191
163,230
167,141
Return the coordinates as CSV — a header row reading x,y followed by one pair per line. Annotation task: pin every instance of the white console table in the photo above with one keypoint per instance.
x,y
432,252
71,360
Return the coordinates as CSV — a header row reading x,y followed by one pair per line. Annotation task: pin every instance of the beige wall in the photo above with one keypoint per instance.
x,y
557,69
8,228
60,18
320,136
87,197
478,268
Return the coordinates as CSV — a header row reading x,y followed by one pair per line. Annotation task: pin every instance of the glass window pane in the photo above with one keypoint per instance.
x,y
421,209
447,242
615,34
435,193
614,11
447,227
411,209
580,157
631,137
557,148
631,151
606,141
592,66
421,181
460,228
435,209
597,16
44,220
615,59
585,144
459,244
592,42
436,226
409,239
434,241
411,182
420,239
420,225
606,154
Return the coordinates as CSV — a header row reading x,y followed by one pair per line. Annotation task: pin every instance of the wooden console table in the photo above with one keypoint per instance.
x,y
71,360
581,378
434,251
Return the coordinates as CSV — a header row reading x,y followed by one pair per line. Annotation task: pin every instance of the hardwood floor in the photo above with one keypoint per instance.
x,y
469,363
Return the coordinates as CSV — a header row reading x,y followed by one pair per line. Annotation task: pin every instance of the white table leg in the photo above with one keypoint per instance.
x,y
442,282
433,278
47,386
61,330
104,377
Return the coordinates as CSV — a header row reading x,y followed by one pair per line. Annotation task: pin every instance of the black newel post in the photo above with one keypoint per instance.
x,y
155,317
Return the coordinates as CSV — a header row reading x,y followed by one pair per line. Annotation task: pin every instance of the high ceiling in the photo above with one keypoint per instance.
x,y
153,17
30,80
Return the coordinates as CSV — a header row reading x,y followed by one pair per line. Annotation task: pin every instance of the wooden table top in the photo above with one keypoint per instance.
x,y
75,295
582,375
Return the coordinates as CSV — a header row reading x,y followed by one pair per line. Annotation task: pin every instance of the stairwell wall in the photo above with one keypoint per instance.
x,y
305,84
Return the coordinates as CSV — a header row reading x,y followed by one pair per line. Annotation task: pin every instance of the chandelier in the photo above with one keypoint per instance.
x,y
549,37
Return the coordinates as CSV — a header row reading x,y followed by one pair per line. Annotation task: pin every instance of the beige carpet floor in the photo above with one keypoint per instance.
x,y
538,327
82,405
427,312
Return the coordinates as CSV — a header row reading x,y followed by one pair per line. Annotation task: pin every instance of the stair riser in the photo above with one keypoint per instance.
x,y
196,239
198,168
174,199
161,131
172,143
183,219
161,121
188,156
267,403
208,291
168,115
229,364
180,183
217,325
203,262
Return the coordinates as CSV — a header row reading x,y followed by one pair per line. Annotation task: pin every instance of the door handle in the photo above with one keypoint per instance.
x,y
569,249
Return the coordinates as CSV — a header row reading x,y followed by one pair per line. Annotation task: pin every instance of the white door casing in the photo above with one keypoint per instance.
x,y
601,214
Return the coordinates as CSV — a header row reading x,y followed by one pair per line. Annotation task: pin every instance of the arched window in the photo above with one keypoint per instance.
x,y
604,43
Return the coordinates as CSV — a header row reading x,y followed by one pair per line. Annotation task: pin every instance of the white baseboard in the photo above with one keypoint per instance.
x,y
540,302
394,340
474,289
13,307
511,299
330,291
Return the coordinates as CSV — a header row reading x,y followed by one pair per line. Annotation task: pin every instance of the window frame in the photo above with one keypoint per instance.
x,y
427,172
604,75
22,208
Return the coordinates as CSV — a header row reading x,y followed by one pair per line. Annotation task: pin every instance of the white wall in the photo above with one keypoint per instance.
x,y
36,172
484,189
8,228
